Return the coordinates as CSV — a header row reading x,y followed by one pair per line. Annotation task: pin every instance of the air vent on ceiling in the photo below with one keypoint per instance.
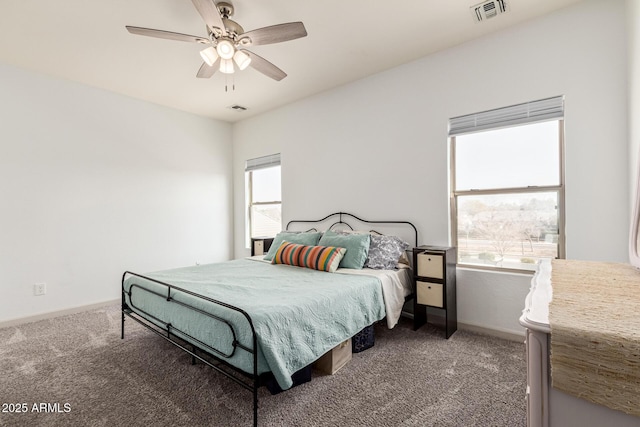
x,y
238,107
488,9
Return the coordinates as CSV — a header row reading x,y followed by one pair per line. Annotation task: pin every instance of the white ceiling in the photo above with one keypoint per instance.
x,y
86,41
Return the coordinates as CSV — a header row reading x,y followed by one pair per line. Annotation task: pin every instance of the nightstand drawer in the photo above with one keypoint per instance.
x,y
258,247
429,294
430,265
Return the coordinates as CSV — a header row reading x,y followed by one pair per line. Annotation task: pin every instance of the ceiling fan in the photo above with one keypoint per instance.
x,y
227,41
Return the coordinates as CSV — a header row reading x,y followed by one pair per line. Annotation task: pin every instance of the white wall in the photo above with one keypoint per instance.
x,y
633,49
378,147
93,183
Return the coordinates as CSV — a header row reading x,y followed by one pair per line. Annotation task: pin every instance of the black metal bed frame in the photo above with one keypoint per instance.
x,y
176,336
340,215
201,350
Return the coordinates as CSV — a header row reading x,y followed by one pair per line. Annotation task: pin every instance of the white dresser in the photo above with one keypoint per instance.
x,y
546,406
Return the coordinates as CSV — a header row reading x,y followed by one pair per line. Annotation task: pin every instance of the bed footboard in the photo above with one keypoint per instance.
x,y
199,350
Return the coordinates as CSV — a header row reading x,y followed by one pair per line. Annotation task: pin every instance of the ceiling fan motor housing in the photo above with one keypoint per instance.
x,y
232,27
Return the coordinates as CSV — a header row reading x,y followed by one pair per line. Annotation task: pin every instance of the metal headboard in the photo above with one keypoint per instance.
x,y
341,216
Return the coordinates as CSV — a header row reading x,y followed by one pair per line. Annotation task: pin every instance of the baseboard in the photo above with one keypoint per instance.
x,y
58,313
504,334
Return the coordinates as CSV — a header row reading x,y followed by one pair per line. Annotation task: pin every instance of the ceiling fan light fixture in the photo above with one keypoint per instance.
x,y
209,55
225,49
226,66
242,59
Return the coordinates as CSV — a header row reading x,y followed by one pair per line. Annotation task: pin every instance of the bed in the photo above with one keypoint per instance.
x,y
266,317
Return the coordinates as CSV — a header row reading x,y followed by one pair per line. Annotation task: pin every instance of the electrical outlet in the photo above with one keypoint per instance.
x,y
39,289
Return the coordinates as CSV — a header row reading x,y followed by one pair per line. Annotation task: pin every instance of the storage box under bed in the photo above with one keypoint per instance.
x,y
363,340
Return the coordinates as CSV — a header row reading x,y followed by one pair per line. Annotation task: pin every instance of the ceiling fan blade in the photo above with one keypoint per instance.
x,y
265,67
274,34
210,14
207,71
161,34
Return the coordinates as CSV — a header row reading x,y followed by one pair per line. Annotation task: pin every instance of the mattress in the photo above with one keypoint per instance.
x,y
298,314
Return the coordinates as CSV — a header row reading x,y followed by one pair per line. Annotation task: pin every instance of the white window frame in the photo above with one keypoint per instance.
x,y
551,109
252,165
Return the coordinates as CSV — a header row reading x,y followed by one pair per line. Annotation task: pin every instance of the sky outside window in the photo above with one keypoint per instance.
x,y
520,156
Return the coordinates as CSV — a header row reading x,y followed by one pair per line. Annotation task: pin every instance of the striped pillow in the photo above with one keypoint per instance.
x,y
323,258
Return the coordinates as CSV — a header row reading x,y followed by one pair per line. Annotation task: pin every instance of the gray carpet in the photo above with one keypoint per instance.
x,y
407,379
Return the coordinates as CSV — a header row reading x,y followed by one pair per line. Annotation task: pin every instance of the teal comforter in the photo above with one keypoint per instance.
x,y
298,314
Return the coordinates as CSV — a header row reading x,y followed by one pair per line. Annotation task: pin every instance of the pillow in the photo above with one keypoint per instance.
x,y
404,258
348,232
321,258
385,252
357,246
308,239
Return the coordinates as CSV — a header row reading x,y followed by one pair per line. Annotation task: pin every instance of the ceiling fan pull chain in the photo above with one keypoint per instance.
x,y
226,83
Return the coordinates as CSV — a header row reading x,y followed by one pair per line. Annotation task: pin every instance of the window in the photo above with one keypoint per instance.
x,y
507,187
264,196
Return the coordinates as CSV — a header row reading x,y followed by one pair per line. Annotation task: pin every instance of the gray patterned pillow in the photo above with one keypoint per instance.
x,y
384,252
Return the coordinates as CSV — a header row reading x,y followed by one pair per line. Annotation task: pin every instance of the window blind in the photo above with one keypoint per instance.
x,y
262,162
529,112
